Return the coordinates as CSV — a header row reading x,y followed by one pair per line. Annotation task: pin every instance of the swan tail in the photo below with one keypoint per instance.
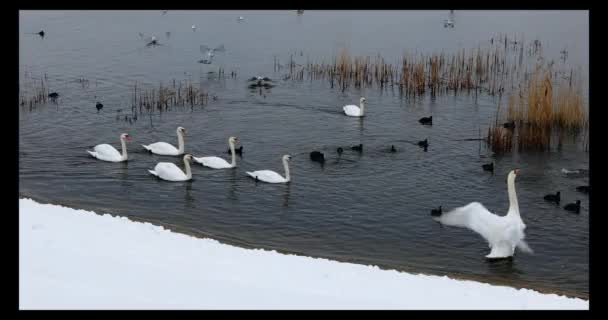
x,y
92,153
146,147
153,172
251,174
523,246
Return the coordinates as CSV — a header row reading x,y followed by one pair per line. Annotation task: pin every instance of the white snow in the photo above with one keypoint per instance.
x,y
75,259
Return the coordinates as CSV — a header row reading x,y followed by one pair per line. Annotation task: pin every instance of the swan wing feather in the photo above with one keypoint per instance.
x,y
476,217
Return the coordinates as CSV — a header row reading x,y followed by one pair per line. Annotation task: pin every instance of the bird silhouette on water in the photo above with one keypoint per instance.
x,y
358,148
99,106
509,125
553,197
393,150
238,151
426,120
436,212
424,144
317,156
488,167
573,207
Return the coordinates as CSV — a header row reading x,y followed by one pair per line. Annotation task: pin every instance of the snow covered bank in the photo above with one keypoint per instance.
x,y
75,259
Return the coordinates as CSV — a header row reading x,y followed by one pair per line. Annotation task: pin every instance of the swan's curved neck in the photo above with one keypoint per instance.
x,y
362,105
188,170
124,149
513,205
180,142
232,152
287,175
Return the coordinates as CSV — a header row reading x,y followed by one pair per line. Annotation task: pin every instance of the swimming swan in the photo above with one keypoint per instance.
x,y
170,172
165,149
217,162
271,176
106,152
354,111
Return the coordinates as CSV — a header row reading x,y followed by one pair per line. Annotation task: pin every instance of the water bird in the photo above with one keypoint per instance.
x,y
238,151
448,23
426,120
99,106
217,162
503,233
53,95
573,207
352,110
424,143
553,197
509,125
106,152
583,189
340,150
357,148
170,172
271,176
488,167
436,212
577,171
317,156
165,149
210,52
150,40
193,28
393,150
240,18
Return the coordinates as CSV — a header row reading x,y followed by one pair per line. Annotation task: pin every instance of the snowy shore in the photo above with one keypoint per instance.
x,y
75,259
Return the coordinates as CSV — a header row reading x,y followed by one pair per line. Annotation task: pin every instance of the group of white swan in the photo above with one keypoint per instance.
x,y
170,172
503,233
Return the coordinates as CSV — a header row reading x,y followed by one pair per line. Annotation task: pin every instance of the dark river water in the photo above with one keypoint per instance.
x,y
370,208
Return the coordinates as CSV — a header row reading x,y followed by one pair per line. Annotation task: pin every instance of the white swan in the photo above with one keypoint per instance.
x,y
217,162
170,172
165,149
503,233
271,176
106,152
354,111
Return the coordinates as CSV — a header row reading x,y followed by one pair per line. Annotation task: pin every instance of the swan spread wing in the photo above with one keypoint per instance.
x,y
162,148
169,171
352,110
213,162
476,217
267,176
107,152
